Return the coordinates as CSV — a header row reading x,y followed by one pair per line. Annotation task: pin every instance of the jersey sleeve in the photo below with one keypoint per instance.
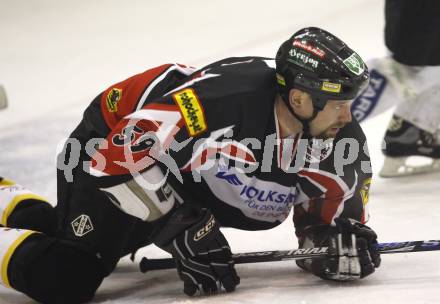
x,y
138,140
142,120
130,95
127,164
130,164
338,186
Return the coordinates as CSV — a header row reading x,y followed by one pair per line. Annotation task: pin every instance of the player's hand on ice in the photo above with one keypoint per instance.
x,y
352,251
202,254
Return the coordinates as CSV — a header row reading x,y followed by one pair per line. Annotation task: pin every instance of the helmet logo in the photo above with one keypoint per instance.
x,y
303,59
331,87
355,64
314,50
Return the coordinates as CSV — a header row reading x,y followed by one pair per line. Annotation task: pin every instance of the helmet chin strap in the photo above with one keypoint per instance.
x,y
304,121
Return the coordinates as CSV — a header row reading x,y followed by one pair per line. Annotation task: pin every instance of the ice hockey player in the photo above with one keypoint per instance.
x,y
171,155
410,78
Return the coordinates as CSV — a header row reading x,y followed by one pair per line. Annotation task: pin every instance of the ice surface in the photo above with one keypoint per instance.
x,y
55,56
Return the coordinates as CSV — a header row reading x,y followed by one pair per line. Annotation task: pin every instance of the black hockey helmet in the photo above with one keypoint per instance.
x,y
319,63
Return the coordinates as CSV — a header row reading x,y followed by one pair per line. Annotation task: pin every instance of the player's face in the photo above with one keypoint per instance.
x,y
335,115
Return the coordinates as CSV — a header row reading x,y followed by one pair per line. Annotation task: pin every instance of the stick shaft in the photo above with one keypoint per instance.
x,y
295,254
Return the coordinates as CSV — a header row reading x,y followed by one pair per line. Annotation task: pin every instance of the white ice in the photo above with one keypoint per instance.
x,y
55,56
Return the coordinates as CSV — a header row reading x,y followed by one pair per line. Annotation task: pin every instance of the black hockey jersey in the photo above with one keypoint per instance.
x,y
215,132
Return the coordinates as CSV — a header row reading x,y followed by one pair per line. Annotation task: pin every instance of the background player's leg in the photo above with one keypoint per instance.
x,y
414,128
421,106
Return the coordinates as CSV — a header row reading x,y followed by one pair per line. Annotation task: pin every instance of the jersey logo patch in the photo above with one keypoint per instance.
x,y
365,191
112,99
230,178
192,111
319,150
82,225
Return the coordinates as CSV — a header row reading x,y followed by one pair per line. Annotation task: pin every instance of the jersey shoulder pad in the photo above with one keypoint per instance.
x,y
130,95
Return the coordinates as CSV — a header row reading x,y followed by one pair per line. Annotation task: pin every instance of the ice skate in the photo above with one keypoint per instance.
x,y
409,150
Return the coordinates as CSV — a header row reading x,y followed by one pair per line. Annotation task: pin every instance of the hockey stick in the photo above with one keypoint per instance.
x,y
296,254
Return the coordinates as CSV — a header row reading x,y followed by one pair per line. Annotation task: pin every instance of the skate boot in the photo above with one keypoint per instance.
x,y
409,150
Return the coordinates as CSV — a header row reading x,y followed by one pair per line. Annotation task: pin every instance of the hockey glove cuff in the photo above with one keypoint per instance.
x,y
202,254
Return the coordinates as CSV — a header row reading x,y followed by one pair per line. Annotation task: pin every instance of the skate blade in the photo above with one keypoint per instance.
x,y
398,166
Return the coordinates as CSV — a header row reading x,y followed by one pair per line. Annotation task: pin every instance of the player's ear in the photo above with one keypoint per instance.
x,y
296,99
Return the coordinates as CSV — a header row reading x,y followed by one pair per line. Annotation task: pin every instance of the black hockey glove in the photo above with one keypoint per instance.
x,y
202,254
352,250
